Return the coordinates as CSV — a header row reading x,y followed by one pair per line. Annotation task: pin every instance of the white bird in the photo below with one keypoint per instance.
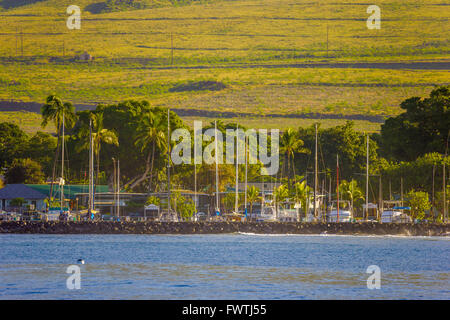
x,y
81,261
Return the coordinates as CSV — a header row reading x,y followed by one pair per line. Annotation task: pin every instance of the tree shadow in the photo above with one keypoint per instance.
x,y
96,8
10,4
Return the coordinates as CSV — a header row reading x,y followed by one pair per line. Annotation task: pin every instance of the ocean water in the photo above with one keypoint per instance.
x,y
234,266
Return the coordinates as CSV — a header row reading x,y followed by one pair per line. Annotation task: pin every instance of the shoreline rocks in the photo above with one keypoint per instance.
x,y
106,227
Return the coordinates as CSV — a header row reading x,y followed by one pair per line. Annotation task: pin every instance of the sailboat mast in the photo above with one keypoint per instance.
x,y
315,175
337,185
168,161
195,187
90,181
217,167
237,170
62,165
444,195
92,173
444,184
245,189
118,188
367,178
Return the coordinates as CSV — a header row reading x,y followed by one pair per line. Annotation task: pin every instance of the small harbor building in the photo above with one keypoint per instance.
x,y
32,199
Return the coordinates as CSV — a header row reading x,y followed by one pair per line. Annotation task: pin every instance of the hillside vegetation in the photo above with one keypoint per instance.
x,y
263,57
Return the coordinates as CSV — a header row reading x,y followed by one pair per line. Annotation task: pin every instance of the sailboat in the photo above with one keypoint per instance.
x,y
217,209
90,212
340,211
64,212
171,214
235,215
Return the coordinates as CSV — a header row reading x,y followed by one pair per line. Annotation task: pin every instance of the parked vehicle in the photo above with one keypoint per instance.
x,y
200,216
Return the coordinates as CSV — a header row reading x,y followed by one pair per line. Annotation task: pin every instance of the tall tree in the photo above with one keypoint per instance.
x,y
24,171
151,134
252,197
40,148
302,194
422,128
290,145
53,111
280,194
99,135
419,203
13,143
350,191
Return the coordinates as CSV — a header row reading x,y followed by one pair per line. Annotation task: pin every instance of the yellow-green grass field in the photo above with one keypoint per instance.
x,y
266,57
29,122
283,123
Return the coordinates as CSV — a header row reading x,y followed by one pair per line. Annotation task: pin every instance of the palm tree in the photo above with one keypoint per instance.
x,y
280,194
99,135
252,196
302,195
290,145
151,132
53,111
350,191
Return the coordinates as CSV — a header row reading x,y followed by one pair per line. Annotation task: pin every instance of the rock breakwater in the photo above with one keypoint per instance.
x,y
104,227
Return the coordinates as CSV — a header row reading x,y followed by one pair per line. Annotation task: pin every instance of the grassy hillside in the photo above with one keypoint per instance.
x,y
267,56
29,122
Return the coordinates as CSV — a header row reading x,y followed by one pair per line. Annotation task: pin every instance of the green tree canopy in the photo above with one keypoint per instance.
x,y
24,171
422,128
343,140
12,143
419,203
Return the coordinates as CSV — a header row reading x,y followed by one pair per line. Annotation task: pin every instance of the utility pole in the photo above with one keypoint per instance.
x,y
17,42
171,45
21,41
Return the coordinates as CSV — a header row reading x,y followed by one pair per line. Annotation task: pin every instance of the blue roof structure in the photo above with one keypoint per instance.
x,y
12,191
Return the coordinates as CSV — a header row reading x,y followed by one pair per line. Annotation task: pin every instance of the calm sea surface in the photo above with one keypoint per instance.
x,y
235,266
